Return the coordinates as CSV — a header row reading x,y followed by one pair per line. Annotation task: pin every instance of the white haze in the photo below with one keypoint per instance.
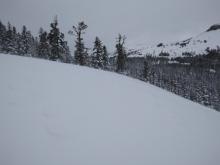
x,y
148,21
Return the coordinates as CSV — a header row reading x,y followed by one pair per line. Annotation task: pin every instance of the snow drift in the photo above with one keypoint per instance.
x,y
53,114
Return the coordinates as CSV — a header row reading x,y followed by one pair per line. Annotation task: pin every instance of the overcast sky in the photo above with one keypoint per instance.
x,y
148,21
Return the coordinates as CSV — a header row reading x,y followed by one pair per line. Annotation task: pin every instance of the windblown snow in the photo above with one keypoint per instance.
x,y
53,114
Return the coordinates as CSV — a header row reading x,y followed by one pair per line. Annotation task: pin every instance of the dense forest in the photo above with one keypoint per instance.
x,y
195,77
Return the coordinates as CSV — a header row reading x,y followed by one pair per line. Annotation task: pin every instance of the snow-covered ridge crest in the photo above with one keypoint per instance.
x,y
196,45
214,27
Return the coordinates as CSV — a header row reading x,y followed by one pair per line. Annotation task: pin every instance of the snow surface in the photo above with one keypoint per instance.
x,y
196,45
59,114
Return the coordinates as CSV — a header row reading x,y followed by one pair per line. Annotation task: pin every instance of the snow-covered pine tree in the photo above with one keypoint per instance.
x,y
25,42
121,53
33,46
146,71
59,49
80,53
67,53
64,50
15,41
2,37
9,46
105,57
54,38
19,44
43,47
97,55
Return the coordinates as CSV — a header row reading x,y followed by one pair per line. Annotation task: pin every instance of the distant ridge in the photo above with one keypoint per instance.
x,y
214,27
196,45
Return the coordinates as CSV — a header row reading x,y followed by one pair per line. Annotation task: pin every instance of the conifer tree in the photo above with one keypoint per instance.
x,y
43,47
146,71
80,53
2,37
8,41
105,57
68,57
121,53
26,42
58,46
64,50
33,46
54,37
15,40
97,55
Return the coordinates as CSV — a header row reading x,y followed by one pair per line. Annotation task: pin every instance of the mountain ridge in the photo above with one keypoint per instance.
x,y
196,45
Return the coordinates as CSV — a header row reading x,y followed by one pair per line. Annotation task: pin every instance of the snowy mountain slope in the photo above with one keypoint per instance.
x,y
52,114
195,45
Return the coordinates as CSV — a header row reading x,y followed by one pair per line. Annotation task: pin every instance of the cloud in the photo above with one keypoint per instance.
x,y
150,20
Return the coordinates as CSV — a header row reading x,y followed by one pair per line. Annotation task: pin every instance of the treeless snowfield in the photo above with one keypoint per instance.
x,y
59,114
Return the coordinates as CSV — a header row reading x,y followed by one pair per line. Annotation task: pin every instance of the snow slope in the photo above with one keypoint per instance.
x,y
53,114
195,45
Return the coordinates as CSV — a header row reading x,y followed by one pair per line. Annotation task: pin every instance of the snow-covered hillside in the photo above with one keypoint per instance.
x,y
195,45
53,114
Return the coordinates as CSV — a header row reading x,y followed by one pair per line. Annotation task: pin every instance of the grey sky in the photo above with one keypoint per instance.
x,y
149,21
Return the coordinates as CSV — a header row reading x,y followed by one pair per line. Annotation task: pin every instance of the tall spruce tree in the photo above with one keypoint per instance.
x,y
15,41
97,55
58,47
121,53
105,57
64,49
25,42
43,47
146,70
2,37
32,45
80,53
67,53
8,41
54,37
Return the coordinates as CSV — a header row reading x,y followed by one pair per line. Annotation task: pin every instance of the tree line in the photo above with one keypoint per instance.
x,y
53,46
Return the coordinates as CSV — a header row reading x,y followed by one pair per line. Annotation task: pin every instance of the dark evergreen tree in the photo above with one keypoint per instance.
x,y
65,55
25,42
121,53
31,45
15,41
8,40
146,71
105,57
3,32
54,39
80,53
43,47
19,44
58,47
97,55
